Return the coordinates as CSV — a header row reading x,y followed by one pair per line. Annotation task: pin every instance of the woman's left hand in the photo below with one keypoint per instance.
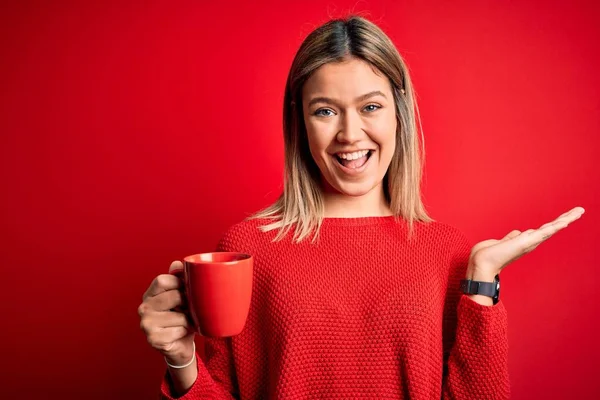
x,y
489,257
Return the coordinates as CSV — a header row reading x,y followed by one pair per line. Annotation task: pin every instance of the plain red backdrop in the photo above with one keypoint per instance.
x,y
134,133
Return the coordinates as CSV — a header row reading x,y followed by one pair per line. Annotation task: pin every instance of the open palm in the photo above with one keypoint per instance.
x,y
489,257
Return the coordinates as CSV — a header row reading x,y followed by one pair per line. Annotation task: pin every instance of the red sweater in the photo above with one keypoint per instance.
x,y
362,314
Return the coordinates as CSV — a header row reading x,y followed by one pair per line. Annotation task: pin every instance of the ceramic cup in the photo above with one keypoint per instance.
x,y
218,290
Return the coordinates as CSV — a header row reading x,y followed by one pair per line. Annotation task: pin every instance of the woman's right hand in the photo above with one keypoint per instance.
x,y
166,327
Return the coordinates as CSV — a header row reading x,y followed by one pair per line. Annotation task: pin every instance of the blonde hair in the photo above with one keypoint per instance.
x,y
301,203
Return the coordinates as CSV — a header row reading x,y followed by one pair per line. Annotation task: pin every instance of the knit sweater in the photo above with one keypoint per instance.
x,y
364,313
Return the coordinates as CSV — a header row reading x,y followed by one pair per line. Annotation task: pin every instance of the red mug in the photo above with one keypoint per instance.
x,y
218,290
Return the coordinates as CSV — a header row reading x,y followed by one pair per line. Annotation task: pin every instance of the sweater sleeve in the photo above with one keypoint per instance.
x,y
475,340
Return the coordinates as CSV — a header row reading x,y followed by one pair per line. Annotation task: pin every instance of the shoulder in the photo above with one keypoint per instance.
x,y
245,236
448,236
455,247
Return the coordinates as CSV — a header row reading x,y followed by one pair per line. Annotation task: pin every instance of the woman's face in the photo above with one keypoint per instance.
x,y
350,120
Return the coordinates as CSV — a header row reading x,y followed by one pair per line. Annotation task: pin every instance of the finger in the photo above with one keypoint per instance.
x,y
511,248
567,218
175,265
165,301
560,223
163,338
511,235
548,224
570,215
577,211
532,238
163,319
168,319
161,284
547,231
526,240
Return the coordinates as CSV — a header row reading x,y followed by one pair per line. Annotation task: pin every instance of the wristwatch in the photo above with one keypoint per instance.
x,y
490,289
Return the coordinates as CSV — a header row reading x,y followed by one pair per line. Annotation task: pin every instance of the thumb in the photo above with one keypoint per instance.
x,y
511,235
175,265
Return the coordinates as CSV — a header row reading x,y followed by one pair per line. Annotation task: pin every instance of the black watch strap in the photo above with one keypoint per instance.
x,y
490,289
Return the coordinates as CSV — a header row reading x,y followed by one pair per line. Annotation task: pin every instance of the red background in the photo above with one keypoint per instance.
x,y
134,133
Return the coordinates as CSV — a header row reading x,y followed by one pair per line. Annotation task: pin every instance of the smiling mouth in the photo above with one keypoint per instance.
x,y
356,163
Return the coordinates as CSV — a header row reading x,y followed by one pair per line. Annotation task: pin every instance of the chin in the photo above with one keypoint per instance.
x,y
354,189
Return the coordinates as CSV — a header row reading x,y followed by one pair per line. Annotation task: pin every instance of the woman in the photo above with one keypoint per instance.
x,y
357,291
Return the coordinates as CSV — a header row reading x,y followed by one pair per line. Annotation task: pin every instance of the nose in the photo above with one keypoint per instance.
x,y
350,129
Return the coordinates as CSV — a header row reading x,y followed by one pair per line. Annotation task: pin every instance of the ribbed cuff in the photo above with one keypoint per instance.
x,y
478,323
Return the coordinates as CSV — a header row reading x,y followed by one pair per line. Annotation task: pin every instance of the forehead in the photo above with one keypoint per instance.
x,y
346,79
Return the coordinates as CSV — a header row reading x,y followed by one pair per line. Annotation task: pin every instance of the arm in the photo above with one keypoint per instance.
x,y
475,339
215,375
181,379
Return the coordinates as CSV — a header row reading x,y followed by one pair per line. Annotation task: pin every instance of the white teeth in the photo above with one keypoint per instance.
x,y
353,156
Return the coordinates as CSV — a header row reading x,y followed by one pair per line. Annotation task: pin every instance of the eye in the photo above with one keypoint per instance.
x,y
372,107
323,112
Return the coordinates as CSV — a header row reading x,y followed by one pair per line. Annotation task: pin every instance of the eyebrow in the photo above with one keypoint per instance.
x,y
364,97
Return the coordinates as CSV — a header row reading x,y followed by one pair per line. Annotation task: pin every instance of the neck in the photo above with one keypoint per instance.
x,y
370,204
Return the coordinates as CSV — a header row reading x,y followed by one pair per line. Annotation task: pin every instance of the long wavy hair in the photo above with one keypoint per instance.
x,y
301,203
